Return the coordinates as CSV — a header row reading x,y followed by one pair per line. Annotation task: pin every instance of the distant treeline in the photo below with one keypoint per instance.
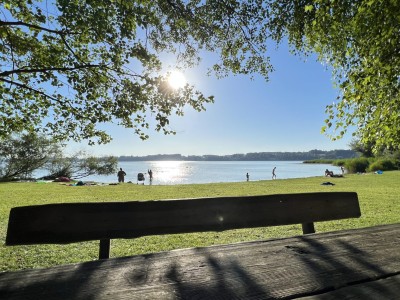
x,y
257,156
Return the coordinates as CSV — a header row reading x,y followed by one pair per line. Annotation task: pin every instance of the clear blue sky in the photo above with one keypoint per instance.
x,y
284,114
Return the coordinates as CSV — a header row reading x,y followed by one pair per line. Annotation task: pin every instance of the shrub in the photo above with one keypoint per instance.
x,y
340,162
357,165
319,161
396,159
383,165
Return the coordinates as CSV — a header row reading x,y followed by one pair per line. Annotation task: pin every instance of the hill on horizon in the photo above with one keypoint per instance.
x,y
253,156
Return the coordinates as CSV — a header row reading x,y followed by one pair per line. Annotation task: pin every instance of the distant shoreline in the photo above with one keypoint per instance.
x,y
256,156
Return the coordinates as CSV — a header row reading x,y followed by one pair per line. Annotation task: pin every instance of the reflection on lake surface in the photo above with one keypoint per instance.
x,y
187,172
169,172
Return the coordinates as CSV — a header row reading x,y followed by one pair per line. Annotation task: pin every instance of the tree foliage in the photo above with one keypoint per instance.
x,y
21,155
366,150
69,66
81,165
360,40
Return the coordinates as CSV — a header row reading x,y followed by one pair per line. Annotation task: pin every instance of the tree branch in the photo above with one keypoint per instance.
x,y
88,66
20,23
24,86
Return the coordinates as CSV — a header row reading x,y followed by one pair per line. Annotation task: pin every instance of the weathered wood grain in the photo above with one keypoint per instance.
x,y
317,265
387,288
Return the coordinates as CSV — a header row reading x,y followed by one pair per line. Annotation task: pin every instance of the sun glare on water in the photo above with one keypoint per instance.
x,y
170,171
176,80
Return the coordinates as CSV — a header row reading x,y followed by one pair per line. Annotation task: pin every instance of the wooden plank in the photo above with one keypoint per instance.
x,y
287,268
74,222
383,289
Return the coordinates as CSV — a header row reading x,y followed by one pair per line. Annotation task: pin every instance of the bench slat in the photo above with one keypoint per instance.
x,y
75,222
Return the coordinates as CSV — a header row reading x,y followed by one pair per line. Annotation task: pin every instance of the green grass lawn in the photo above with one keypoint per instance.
x,y
378,195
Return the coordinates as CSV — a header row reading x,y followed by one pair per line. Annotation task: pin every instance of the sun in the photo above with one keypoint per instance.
x,y
176,80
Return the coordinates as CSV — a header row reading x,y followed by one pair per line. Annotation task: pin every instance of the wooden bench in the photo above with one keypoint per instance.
x,y
75,222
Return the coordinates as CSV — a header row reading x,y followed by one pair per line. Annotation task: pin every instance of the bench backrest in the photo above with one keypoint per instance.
x,y
74,222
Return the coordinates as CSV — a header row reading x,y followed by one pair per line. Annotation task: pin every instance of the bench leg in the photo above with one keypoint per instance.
x,y
104,250
308,228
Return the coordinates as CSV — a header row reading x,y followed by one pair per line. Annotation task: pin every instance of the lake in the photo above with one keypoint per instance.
x,y
187,172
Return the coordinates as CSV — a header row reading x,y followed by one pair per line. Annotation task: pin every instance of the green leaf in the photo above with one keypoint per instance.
x,y
308,8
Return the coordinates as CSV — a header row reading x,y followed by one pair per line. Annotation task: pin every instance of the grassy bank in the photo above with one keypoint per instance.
x,y
378,194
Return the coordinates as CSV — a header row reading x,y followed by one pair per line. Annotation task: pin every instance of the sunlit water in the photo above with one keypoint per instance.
x,y
187,172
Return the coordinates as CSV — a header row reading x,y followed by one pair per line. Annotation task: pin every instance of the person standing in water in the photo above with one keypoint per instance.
x,y
273,173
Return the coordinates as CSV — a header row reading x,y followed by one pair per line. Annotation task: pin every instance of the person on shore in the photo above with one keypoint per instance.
x,y
342,168
273,173
121,175
247,176
150,175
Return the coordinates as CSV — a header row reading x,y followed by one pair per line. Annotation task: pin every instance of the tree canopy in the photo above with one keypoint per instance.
x,y
22,155
69,66
360,40
80,165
